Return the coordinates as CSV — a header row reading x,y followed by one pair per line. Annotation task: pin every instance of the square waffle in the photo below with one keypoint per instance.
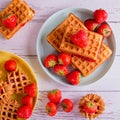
x,y
87,67
23,12
90,51
18,80
55,37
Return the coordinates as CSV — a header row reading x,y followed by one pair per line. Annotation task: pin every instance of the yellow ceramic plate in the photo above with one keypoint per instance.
x,y
23,66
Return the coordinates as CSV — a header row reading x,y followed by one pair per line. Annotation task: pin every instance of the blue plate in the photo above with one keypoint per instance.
x,y
44,48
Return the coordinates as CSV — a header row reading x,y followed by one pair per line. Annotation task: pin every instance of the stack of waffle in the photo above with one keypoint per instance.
x,y
84,59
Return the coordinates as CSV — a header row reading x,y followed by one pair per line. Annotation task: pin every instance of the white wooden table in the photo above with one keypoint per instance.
x,y
24,45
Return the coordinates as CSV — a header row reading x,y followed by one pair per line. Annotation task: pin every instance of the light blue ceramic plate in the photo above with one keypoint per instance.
x,y
44,48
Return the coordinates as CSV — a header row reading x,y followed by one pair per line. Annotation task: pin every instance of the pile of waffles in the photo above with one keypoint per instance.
x,y
87,59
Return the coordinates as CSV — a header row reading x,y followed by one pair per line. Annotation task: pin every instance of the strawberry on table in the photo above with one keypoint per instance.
x,y
91,24
80,38
54,95
64,59
73,77
100,15
24,112
27,100
51,108
104,30
50,61
10,65
30,89
9,21
60,70
67,105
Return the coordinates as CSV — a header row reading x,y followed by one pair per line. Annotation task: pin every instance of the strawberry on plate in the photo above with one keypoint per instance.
x,y
24,112
64,59
73,77
9,21
90,107
100,15
10,65
67,105
61,70
80,38
91,24
51,108
104,30
54,96
50,61
30,89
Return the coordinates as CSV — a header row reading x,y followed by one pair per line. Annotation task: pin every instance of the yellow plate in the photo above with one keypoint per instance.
x,y
22,65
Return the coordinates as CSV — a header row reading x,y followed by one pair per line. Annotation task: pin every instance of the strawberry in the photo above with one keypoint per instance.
x,y
30,89
61,70
9,21
104,30
24,112
73,77
27,100
54,96
91,24
50,61
80,38
100,15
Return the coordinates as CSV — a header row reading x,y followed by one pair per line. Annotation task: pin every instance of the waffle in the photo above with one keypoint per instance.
x,y
23,12
8,110
87,67
94,98
55,37
18,80
92,49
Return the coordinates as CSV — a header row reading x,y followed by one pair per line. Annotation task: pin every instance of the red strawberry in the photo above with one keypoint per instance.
x,y
91,24
73,77
61,70
54,96
27,100
104,30
64,59
100,15
30,89
50,61
9,21
24,112
80,38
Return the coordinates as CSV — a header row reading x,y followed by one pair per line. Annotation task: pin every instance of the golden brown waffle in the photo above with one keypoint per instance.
x,y
96,99
18,80
92,49
55,37
23,12
87,67
8,110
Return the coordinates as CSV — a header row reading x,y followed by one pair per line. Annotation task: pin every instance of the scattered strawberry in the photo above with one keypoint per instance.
x,y
30,89
51,109
80,38
10,65
91,24
9,21
100,15
50,61
61,70
67,105
54,96
27,100
90,107
73,77
104,30
24,112
64,59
